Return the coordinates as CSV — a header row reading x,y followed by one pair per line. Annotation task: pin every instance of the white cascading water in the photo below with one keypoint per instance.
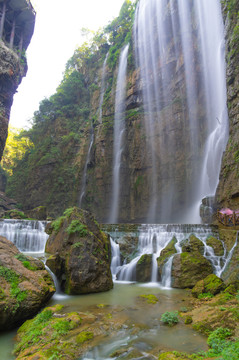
x,y
119,129
84,177
102,88
27,235
154,238
180,52
115,258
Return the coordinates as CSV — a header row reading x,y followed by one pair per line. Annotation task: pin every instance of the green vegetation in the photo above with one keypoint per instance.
x,y
56,224
45,326
25,262
84,336
13,279
77,227
151,299
170,318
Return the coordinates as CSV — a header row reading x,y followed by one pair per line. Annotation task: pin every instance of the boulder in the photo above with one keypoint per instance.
x,y
144,268
168,251
193,244
216,245
82,252
25,286
211,284
188,269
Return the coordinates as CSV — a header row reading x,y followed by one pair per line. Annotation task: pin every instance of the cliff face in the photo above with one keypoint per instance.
x,y
66,168
11,72
16,28
228,188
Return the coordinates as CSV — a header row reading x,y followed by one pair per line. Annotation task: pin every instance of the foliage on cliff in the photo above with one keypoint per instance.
x,y
46,170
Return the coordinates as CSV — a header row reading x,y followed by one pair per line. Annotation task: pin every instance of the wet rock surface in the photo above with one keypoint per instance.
x,y
81,253
25,285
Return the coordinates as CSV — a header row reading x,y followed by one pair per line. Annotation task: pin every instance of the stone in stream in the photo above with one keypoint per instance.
x,y
81,253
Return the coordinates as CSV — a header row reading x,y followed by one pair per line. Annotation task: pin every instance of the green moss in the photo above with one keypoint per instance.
x,y
11,277
77,227
77,245
151,299
57,224
84,336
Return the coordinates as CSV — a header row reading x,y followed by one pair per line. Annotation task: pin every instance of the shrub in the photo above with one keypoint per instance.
x,y
58,223
205,296
217,339
170,318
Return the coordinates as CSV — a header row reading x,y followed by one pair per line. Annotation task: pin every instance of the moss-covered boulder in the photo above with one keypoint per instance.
x,y
25,285
38,213
216,244
144,268
211,284
168,251
83,253
56,334
188,269
193,244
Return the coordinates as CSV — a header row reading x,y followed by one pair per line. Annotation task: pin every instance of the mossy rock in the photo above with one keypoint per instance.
x,y
169,356
192,245
213,284
216,245
144,268
188,268
168,251
198,288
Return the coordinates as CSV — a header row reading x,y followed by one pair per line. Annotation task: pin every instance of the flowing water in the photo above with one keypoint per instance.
x,y
154,238
119,129
84,176
180,50
27,235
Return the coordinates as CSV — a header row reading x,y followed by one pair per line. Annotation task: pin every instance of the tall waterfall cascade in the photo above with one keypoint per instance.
x,y
119,129
27,235
180,51
154,238
84,176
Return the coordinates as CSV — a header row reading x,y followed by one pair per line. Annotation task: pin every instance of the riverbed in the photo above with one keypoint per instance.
x,y
151,336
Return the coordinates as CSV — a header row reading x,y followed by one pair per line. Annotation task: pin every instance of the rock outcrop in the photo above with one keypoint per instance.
x,y
228,189
17,19
81,253
190,266
25,286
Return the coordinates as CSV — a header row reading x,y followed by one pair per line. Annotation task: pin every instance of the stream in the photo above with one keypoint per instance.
x,y
153,335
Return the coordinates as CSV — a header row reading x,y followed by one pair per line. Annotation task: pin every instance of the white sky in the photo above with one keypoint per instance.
x,y
56,35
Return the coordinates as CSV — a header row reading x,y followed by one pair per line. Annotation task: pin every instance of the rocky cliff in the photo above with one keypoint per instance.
x,y
228,188
72,159
16,28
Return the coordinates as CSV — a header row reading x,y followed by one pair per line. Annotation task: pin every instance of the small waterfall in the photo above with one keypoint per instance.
x,y
27,235
154,238
102,89
180,51
54,278
115,258
84,177
119,129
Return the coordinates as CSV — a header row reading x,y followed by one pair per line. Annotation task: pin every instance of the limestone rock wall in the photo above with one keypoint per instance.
x,y
228,188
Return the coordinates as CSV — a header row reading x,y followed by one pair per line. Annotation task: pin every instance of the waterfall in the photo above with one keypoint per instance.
x,y
115,258
27,235
154,238
102,89
119,129
180,51
84,177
